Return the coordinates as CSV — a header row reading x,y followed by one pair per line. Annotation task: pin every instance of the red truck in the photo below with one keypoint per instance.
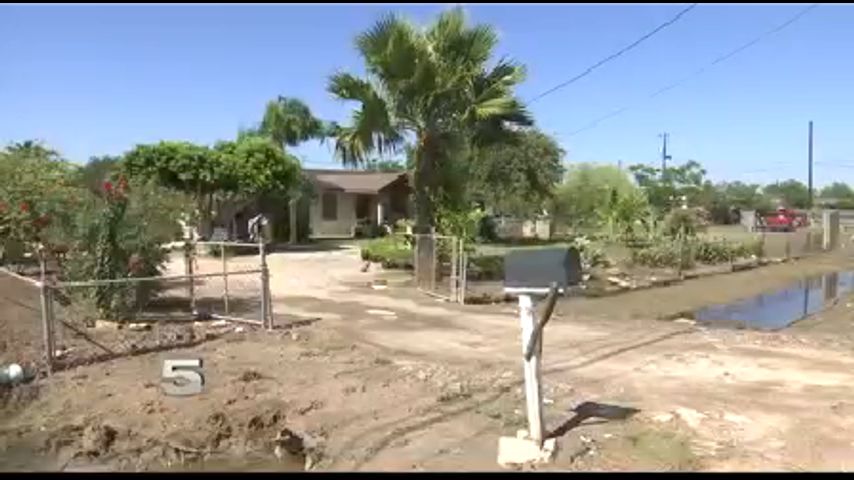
x,y
781,220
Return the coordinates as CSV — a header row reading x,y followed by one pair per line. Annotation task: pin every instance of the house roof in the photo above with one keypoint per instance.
x,y
353,181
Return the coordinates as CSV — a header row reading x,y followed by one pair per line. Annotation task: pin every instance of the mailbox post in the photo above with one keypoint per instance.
x,y
529,274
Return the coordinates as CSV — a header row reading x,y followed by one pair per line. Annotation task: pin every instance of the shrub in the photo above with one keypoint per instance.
x,y
666,253
591,254
369,229
685,222
712,252
114,239
462,224
393,251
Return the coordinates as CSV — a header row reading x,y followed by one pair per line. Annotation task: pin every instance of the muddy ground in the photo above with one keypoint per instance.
x,y
394,380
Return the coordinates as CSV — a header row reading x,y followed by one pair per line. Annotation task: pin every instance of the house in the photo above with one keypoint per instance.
x,y
345,199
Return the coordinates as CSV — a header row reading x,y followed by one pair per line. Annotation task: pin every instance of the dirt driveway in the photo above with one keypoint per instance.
x,y
392,379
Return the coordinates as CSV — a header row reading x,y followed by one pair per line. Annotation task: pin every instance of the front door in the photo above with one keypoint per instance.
x,y
363,206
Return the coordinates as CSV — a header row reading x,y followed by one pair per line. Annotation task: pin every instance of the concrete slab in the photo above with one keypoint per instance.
x,y
521,450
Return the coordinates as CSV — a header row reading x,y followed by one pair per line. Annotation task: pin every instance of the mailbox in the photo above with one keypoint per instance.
x,y
534,270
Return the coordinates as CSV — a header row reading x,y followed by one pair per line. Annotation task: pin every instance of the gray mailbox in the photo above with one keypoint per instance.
x,y
534,270
528,273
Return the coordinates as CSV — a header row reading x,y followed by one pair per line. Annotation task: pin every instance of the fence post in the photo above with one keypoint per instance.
x,y
463,269
454,280
224,277
415,260
266,311
47,318
434,260
189,260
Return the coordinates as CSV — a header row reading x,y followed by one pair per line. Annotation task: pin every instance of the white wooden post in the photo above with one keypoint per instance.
x,y
224,276
533,394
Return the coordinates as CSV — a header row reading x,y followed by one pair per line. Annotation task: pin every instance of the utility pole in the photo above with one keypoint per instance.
x,y
810,165
664,156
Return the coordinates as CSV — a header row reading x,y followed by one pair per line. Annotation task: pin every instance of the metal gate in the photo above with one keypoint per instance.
x,y
440,266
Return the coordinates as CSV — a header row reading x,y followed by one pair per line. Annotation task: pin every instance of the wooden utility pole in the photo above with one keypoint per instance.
x,y
810,166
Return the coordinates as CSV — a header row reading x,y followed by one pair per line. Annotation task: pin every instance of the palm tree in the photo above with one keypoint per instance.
x,y
430,90
289,121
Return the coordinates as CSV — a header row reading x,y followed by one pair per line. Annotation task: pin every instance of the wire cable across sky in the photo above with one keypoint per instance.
x,y
702,70
614,55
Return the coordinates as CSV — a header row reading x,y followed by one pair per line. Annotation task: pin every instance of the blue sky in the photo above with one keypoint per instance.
x,y
97,79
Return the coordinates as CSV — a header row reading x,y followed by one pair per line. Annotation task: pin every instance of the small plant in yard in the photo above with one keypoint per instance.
x,y
665,253
668,252
591,254
463,224
392,251
687,222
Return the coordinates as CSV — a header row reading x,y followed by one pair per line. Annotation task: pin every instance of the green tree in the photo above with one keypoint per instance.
x,y
791,193
193,169
586,189
519,175
665,188
256,166
721,200
837,190
431,89
36,195
252,165
97,171
289,121
375,165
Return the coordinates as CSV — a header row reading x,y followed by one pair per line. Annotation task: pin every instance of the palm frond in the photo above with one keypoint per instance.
x,y
466,48
289,121
372,128
350,87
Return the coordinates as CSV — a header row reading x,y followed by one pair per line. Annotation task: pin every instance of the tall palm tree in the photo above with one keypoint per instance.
x,y
289,121
431,90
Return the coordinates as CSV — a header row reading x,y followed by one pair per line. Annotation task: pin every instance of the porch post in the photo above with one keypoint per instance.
x,y
379,211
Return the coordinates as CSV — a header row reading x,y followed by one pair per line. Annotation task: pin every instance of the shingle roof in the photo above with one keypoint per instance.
x,y
353,181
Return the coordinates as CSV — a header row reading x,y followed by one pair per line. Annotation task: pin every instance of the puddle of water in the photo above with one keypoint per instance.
x,y
781,308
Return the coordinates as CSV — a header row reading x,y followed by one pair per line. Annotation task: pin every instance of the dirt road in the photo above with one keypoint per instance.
x,y
394,380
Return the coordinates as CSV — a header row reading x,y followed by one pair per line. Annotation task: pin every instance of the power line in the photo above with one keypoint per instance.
x,y
615,55
835,165
702,70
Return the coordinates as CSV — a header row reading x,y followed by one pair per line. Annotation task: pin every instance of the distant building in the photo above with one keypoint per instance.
x,y
345,199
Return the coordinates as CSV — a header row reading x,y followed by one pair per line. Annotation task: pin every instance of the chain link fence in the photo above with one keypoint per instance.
x,y
440,266
21,322
204,289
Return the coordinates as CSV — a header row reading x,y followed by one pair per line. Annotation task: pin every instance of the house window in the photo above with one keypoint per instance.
x,y
330,206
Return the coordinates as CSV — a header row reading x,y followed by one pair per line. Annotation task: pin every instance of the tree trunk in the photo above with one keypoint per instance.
x,y
424,173
204,204
425,248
